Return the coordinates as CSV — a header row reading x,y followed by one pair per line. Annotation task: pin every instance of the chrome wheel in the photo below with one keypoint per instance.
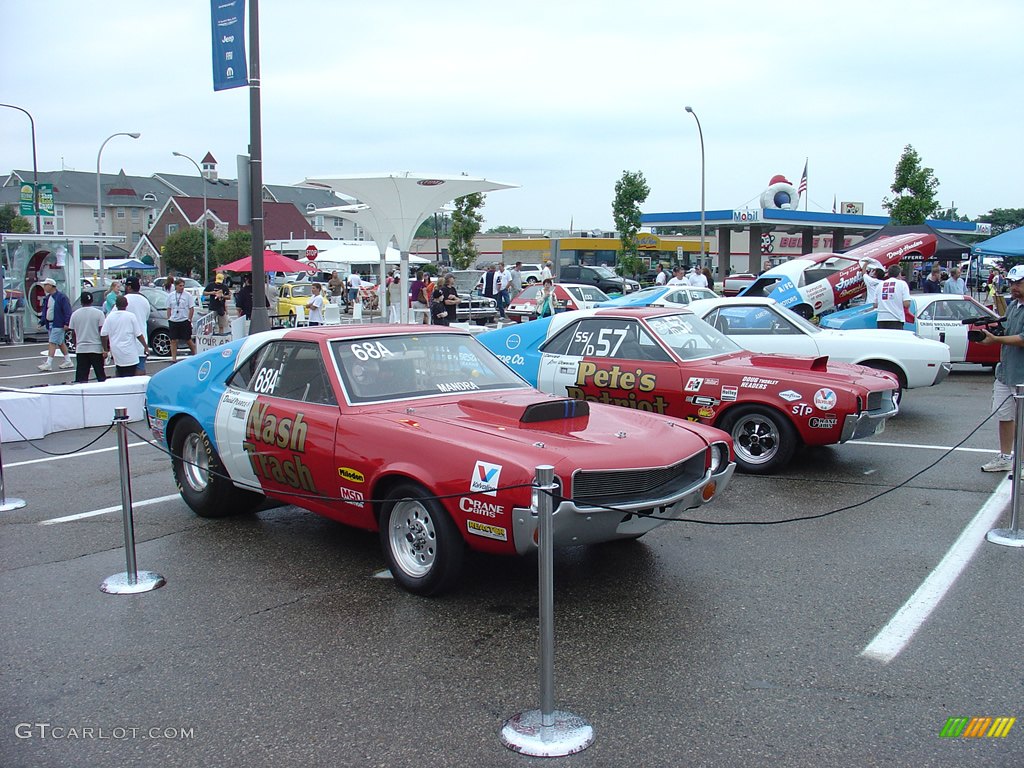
x,y
756,438
195,462
764,440
413,538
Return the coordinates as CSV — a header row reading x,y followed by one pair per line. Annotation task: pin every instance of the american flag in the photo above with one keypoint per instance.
x,y
803,181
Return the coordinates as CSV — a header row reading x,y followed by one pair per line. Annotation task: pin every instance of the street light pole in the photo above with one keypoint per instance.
x,y
35,167
99,200
206,248
701,134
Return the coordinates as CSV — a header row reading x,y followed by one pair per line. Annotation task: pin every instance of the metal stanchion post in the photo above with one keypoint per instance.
x,y
1012,536
546,732
6,505
132,581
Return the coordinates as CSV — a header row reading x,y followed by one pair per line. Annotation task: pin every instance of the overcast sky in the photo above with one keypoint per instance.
x,y
557,96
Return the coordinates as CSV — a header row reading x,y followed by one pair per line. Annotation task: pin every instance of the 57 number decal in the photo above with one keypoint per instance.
x,y
606,344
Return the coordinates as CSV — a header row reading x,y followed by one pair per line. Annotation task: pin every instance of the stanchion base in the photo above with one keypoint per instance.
x,y
1006,536
526,734
120,584
10,504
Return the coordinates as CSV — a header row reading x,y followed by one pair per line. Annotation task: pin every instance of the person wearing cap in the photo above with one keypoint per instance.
x,y
218,293
125,338
696,278
55,314
893,300
86,323
1009,371
181,307
139,306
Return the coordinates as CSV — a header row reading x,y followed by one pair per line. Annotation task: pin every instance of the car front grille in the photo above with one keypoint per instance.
x,y
881,402
618,486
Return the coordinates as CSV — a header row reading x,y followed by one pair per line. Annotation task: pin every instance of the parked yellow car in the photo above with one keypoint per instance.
x,y
293,296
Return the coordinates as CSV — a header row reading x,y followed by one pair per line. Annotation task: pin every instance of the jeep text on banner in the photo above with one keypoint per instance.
x,y
229,64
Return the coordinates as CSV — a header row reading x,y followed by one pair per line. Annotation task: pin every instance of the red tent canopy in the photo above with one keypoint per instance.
x,y
272,262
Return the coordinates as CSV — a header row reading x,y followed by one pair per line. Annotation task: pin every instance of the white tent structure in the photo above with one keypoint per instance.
x,y
398,203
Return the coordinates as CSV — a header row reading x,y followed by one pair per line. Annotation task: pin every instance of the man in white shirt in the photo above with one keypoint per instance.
x,y
125,338
180,308
502,280
354,284
893,300
315,306
873,276
545,273
662,277
697,279
678,277
139,306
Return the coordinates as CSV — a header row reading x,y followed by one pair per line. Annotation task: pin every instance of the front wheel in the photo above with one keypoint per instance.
x,y
763,439
201,477
422,546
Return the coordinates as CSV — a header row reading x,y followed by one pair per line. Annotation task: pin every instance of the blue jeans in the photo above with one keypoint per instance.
x,y
503,301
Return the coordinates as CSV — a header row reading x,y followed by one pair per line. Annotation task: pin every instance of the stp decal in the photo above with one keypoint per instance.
x,y
485,478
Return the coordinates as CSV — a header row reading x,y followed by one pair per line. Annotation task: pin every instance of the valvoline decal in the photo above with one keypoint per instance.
x,y
785,293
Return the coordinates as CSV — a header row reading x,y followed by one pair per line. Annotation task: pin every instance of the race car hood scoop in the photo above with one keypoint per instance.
x,y
525,410
819,363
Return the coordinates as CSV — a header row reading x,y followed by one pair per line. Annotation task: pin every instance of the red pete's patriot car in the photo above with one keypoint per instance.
x,y
819,282
423,435
669,361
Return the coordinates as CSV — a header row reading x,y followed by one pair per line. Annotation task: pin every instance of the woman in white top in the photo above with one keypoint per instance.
x,y
395,298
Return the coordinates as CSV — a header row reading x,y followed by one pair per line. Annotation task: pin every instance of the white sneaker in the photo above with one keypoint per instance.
x,y
67,364
46,366
1001,463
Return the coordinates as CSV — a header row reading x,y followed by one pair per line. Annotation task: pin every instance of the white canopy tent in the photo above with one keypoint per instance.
x,y
398,203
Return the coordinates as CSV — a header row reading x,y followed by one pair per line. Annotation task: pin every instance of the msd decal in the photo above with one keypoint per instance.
x,y
485,478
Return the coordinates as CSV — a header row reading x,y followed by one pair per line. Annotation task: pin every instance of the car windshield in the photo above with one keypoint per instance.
x,y
690,337
529,293
157,297
301,289
384,368
604,271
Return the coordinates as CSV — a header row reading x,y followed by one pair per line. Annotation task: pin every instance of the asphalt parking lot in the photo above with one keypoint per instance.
x,y
277,643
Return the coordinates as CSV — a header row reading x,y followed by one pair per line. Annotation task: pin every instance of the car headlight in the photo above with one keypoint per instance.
x,y
719,457
491,303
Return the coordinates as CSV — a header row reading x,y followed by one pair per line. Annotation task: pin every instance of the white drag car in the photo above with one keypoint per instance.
x,y
764,325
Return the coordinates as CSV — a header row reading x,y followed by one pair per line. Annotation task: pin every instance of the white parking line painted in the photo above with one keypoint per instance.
x,y
895,635
917,445
74,455
108,510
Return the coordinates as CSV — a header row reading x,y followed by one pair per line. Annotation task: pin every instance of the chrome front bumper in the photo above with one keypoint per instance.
x,y
575,525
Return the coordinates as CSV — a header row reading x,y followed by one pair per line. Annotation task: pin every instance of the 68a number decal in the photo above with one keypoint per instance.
x,y
370,350
266,381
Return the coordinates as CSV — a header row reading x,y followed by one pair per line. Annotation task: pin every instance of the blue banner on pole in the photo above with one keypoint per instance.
x,y
229,64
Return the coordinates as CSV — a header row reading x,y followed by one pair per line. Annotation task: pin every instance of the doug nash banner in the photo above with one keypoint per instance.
x,y
229,68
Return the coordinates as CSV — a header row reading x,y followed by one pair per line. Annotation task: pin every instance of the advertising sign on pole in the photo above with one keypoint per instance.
x,y
229,62
46,199
28,207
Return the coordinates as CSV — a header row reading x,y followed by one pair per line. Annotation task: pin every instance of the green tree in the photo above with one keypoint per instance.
x,y
915,187
183,251
434,226
505,229
1003,219
12,222
950,214
630,191
237,245
466,221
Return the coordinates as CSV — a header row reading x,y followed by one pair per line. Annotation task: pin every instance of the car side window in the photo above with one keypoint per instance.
x,y
677,297
287,369
614,338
